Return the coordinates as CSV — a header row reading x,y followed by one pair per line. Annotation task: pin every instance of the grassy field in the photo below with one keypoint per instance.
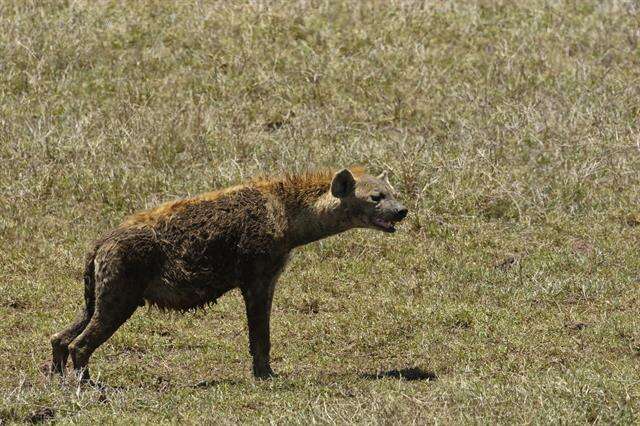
x,y
511,130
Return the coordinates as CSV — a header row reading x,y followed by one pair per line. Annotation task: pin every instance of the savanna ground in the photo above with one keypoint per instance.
x,y
511,129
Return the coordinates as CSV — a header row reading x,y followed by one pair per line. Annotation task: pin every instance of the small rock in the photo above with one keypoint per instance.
x,y
577,326
506,264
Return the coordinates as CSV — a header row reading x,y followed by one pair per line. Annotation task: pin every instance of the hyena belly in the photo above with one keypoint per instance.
x,y
210,247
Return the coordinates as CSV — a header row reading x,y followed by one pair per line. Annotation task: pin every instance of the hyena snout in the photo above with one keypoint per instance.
x,y
400,213
387,217
396,211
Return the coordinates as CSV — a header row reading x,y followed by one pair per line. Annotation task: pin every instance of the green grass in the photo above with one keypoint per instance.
x,y
511,129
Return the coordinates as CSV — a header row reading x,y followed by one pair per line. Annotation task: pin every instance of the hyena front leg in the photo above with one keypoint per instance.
x,y
257,299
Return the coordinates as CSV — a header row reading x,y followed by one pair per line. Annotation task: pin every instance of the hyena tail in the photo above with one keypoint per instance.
x,y
60,341
90,286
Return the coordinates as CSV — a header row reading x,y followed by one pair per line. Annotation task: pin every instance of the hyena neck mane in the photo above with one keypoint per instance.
x,y
312,213
319,219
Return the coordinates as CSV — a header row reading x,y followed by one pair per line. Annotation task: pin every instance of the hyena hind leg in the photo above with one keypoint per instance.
x,y
116,301
60,341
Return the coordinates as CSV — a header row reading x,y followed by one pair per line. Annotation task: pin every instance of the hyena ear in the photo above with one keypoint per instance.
x,y
384,176
343,184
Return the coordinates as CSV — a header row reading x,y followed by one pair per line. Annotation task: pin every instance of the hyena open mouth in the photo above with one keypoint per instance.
x,y
384,225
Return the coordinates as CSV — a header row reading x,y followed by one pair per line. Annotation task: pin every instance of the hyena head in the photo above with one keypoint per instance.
x,y
368,201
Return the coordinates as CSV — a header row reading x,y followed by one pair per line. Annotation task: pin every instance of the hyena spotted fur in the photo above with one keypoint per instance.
x,y
186,254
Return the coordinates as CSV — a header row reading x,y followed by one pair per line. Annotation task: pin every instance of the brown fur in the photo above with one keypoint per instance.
x,y
185,254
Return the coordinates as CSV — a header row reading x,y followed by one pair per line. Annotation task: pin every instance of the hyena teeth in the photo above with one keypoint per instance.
x,y
383,223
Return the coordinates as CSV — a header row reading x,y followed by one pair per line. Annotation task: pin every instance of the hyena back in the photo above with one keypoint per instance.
x,y
186,254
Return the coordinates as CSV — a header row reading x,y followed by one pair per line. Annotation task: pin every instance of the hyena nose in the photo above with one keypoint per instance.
x,y
401,213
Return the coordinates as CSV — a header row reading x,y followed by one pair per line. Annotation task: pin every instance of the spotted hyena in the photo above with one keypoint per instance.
x,y
185,254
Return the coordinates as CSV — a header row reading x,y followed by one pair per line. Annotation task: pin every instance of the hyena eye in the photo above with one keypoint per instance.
x,y
377,197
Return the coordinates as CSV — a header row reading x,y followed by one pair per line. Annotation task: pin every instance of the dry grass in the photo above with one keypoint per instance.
x,y
510,128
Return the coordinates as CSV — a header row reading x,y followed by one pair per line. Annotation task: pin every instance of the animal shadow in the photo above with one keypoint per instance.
x,y
410,374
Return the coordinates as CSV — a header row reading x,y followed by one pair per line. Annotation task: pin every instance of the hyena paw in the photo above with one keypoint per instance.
x,y
264,373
